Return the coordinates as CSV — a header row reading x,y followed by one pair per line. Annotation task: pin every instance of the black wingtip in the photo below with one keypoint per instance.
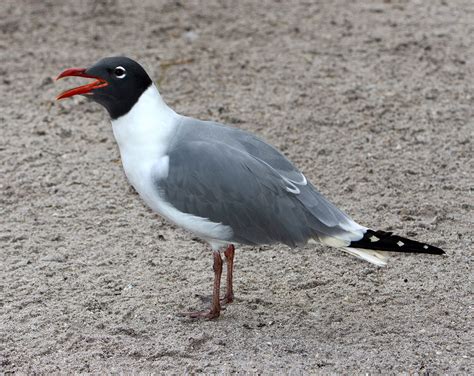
x,y
434,250
387,241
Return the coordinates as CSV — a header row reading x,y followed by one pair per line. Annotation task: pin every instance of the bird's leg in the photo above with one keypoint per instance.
x,y
216,304
229,258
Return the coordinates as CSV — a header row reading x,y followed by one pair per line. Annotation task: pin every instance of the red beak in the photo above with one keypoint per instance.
x,y
85,89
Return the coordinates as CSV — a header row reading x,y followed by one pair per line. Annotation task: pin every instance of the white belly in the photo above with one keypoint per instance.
x,y
142,176
143,135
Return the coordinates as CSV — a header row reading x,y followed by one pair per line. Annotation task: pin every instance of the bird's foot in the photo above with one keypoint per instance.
x,y
209,315
227,299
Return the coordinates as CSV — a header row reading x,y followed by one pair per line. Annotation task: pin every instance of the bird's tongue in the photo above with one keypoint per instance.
x,y
85,89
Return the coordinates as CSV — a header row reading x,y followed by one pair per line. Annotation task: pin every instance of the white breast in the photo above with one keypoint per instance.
x,y
143,136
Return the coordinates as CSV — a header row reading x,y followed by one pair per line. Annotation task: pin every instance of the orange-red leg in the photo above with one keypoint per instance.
x,y
229,258
216,304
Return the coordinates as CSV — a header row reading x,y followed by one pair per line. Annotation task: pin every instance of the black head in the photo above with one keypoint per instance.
x,y
120,81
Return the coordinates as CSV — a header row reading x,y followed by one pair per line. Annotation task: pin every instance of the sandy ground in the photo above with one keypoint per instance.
x,y
373,101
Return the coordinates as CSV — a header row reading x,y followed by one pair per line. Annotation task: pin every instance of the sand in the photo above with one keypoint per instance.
x,y
373,100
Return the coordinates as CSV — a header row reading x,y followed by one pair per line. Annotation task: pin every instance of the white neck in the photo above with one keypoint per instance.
x,y
143,135
148,125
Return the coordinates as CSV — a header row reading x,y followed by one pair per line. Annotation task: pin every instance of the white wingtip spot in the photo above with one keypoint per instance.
x,y
425,246
400,243
374,239
294,190
304,182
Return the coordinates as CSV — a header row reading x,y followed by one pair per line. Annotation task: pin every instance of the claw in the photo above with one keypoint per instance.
x,y
210,315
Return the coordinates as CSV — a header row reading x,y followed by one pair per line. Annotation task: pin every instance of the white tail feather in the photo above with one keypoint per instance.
x,y
375,257
378,258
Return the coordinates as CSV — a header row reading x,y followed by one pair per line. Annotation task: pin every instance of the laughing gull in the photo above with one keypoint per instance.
x,y
220,183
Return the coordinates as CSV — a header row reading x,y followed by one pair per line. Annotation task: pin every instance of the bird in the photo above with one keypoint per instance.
x,y
222,184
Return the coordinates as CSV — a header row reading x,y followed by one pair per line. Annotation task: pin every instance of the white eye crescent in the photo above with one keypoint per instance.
x,y
120,72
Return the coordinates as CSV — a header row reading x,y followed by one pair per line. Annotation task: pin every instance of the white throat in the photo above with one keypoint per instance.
x,y
143,135
147,125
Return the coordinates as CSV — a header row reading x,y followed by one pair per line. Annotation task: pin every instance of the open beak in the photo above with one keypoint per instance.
x,y
85,89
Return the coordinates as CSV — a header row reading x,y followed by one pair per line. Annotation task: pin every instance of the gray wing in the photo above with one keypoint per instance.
x,y
194,129
229,186
322,209
267,153
333,220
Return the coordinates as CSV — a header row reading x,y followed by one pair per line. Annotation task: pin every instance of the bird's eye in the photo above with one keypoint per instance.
x,y
120,72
